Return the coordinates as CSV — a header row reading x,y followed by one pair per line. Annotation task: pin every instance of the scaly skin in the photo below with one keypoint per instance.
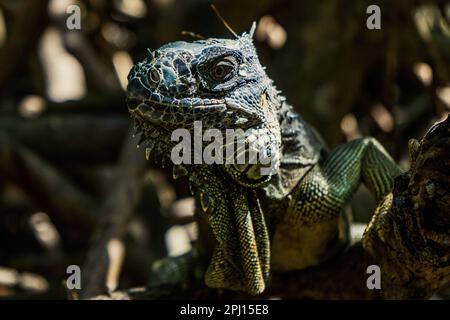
x,y
287,220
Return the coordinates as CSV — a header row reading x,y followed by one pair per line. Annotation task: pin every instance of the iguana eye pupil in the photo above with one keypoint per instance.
x,y
221,71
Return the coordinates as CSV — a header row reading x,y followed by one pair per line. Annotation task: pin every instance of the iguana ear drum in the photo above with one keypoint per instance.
x,y
136,89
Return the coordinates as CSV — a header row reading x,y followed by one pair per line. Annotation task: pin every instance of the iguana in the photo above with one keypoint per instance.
x,y
287,220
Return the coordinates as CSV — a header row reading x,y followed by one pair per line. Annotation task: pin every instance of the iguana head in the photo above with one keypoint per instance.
x,y
221,83
217,81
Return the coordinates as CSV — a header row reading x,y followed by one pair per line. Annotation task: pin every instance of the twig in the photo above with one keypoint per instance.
x,y
30,20
69,138
45,185
115,212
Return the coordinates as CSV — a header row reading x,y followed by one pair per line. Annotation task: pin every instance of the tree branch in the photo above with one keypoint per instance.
x,y
104,256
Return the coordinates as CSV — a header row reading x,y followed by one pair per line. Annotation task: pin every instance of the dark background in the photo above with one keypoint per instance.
x,y
71,185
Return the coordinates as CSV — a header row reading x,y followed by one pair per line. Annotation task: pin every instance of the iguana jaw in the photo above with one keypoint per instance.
x,y
174,113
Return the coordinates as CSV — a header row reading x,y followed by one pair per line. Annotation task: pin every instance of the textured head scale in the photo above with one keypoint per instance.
x,y
218,81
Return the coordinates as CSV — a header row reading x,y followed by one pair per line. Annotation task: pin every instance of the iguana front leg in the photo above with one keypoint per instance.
x,y
316,203
324,193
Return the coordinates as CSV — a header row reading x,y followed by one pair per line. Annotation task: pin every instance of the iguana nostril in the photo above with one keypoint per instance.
x,y
154,76
135,87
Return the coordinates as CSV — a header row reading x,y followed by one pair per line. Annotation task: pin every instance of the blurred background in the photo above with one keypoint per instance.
x,y
74,190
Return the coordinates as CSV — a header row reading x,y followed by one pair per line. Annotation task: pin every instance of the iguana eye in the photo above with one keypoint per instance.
x,y
223,69
154,76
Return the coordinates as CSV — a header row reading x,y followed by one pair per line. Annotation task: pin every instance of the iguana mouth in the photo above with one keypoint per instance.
x,y
180,113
